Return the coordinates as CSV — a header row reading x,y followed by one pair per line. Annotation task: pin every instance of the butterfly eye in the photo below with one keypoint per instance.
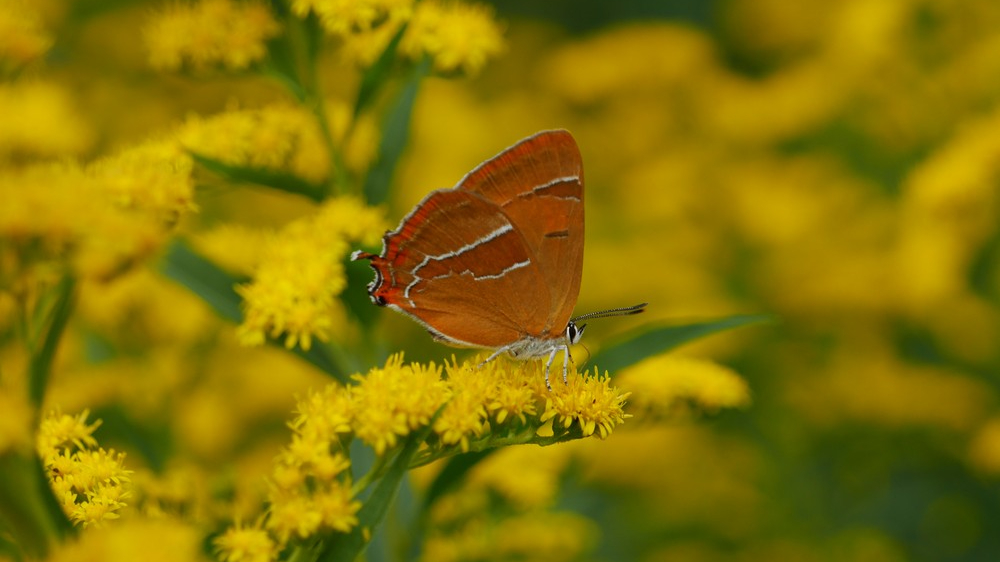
x,y
379,300
574,332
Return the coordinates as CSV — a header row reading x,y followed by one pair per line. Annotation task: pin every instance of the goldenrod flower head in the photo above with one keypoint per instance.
x,y
459,37
22,37
590,401
63,431
474,403
91,484
323,415
210,32
392,401
154,177
278,137
346,17
310,506
55,216
310,483
40,120
514,391
662,384
336,508
292,515
294,288
465,413
246,544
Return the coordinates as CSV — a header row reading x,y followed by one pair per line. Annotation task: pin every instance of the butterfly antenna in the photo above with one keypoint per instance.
x,y
622,311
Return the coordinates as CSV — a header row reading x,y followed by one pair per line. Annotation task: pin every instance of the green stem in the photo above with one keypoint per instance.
x,y
340,180
41,358
526,436
376,472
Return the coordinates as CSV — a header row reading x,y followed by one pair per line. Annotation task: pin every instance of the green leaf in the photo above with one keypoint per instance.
x,y
29,511
281,63
395,134
452,475
375,76
646,342
203,278
217,288
260,176
313,33
40,365
350,546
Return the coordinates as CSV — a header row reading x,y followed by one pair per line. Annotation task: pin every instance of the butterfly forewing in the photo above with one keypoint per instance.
x,y
450,264
538,184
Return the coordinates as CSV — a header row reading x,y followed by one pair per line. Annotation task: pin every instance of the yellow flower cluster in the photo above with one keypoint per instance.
x,y
153,177
458,37
58,213
277,137
210,32
295,285
91,484
246,544
40,120
393,401
22,37
345,17
101,219
311,486
496,401
665,385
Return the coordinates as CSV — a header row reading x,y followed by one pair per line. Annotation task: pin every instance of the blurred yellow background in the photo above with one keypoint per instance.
x,y
835,165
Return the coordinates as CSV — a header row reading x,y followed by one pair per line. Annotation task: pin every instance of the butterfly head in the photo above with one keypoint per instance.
x,y
574,333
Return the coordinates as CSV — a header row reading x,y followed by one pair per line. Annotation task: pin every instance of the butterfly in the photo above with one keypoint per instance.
x,y
496,261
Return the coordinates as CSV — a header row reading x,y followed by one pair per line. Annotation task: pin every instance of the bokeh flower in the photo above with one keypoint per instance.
x,y
41,120
664,386
57,216
244,543
153,177
345,17
276,137
23,37
457,36
191,34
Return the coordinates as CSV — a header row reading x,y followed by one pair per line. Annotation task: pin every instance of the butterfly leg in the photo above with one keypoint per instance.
x,y
496,354
548,364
